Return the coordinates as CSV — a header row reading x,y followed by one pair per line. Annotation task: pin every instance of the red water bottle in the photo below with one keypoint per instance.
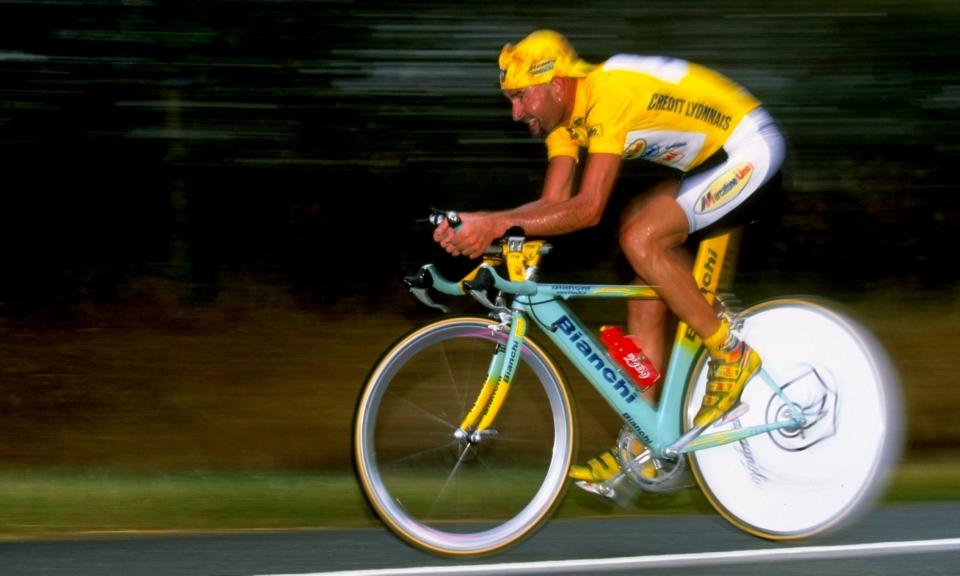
x,y
630,357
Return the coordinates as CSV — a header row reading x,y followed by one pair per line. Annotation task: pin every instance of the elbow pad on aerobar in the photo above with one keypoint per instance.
x,y
422,279
482,282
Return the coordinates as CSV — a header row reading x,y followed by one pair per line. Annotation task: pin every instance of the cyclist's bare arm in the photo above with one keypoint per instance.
x,y
557,211
558,183
557,187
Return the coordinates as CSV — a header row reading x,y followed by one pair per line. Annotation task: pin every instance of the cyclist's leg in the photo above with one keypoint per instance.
x,y
754,155
650,322
646,319
652,230
652,233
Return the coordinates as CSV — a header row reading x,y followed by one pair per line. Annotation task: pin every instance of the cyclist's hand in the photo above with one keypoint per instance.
x,y
443,235
471,239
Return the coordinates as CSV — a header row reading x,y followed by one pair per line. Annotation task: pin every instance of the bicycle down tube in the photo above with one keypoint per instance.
x,y
656,428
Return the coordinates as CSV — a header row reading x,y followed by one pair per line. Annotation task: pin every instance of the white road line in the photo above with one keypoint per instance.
x,y
664,560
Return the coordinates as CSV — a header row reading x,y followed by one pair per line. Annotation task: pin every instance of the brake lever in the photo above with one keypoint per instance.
x,y
483,299
420,283
424,296
478,289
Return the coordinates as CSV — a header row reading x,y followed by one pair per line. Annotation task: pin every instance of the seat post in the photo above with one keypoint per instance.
x,y
713,269
716,262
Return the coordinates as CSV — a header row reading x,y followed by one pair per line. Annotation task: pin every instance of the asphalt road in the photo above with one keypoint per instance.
x,y
311,552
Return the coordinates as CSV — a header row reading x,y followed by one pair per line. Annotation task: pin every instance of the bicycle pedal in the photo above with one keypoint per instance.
x,y
600,489
737,411
618,490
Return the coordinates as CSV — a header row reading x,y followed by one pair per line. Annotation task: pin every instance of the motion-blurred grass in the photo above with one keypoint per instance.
x,y
55,504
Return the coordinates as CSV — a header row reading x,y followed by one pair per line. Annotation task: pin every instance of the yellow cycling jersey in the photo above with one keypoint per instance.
x,y
664,110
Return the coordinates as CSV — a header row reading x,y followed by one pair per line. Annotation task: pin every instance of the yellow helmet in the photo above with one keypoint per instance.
x,y
537,59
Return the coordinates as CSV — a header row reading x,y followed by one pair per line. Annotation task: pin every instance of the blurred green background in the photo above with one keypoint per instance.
x,y
207,207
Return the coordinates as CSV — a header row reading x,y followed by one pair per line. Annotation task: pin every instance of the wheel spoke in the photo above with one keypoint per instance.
x,y
395,462
446,423
441,494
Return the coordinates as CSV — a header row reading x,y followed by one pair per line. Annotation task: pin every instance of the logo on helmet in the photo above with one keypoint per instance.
x,y
542,67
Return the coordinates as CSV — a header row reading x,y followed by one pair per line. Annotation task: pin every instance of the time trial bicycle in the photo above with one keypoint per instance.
x,y
465,428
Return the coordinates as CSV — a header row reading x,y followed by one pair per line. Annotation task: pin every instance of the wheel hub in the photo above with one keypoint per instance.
x,y
816,399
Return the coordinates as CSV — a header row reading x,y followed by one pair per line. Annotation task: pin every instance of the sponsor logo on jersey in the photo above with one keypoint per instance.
x,y
674,148
635,149
725,188
655,152
695,110
665,154
577,132
595,130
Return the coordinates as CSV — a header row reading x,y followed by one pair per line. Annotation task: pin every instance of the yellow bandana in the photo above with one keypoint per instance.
x,y
537,59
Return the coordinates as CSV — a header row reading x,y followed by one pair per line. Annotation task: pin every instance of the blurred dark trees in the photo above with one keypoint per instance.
x,y
294,144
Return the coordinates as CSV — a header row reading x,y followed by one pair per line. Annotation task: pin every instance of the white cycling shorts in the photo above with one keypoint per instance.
x,y
754,151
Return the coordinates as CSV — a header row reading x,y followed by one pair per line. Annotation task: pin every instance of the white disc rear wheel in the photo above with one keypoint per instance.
x,y
798,482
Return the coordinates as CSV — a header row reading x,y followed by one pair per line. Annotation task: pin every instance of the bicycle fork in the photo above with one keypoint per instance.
x,y
503,366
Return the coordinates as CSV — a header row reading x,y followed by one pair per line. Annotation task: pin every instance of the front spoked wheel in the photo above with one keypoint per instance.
x,y
453,491
804,480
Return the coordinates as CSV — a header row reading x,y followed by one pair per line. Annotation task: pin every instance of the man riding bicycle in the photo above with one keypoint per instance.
x,y
663,110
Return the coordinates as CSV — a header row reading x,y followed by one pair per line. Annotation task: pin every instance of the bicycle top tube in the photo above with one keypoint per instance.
x,y
531,288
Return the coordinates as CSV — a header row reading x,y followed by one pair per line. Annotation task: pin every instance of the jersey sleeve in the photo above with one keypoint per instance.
x,y
559,143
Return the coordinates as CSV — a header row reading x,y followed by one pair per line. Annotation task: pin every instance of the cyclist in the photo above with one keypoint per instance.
x,y
664,110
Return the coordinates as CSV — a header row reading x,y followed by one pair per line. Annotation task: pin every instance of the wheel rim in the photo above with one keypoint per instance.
x,y
461,495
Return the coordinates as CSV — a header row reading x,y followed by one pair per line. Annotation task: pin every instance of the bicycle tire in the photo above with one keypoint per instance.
x,y
435,491
792,484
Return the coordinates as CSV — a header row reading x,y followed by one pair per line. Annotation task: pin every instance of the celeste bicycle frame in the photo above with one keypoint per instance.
x,y
459,479
661,427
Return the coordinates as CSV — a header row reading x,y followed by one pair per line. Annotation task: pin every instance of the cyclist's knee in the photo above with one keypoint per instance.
x,y
660,225
640,204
